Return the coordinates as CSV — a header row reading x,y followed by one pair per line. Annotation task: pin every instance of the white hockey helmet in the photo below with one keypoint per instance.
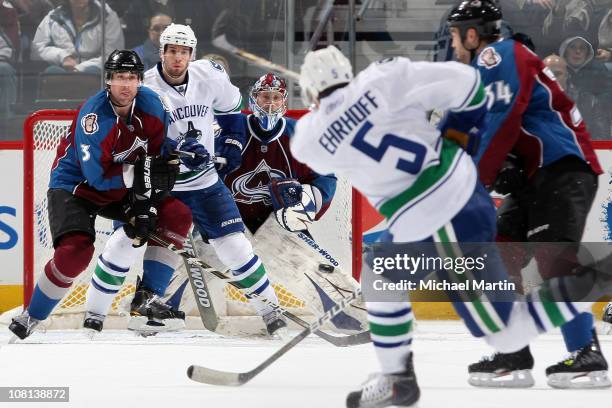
x,y
323,69
178,34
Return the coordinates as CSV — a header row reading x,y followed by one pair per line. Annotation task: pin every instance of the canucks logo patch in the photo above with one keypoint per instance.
x,y
216,65
489,58
89,123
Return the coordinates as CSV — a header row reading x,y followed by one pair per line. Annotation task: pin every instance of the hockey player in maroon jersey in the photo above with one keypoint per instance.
x,y
269,178
538,152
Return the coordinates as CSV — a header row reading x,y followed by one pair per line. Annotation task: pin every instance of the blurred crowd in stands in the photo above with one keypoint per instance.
x,y
51,50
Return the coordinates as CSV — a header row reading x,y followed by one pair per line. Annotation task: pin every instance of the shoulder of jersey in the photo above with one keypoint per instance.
x,y
290,125
494,54
207,68
147,99
96,102
150,73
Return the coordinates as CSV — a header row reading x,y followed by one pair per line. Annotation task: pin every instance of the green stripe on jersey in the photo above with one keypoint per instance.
x,y
426,180
480,96
235,109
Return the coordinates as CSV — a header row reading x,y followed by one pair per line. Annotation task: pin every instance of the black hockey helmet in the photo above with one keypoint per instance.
x,y
123,61
482,15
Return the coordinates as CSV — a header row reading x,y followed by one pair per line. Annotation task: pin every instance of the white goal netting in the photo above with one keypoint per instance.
x,y
332,232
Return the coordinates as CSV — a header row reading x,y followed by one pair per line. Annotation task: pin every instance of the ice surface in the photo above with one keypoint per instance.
x,y
118,369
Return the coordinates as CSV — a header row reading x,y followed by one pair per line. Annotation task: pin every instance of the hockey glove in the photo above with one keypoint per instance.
x,y
142,218
231,150
511,178
294,204
199,158
153,173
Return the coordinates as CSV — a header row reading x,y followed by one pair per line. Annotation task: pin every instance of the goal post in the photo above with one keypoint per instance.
x,y
338,230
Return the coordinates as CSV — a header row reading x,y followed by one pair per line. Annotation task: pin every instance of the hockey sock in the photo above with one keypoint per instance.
x,y
71,257
391,332
158,266
113,266
252,278
578,332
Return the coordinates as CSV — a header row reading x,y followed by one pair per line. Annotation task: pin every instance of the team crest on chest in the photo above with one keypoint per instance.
x,y
252,187
125,155
89,123
489,58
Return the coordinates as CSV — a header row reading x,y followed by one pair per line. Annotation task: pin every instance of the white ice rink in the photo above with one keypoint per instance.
x,y
117,370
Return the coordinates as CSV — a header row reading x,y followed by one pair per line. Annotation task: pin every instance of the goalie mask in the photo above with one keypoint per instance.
x,y
268,100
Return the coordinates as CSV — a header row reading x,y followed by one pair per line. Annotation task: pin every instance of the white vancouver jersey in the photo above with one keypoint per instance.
x,y
375,132
208,92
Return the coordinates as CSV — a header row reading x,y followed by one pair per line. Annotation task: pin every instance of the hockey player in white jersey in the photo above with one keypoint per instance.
x,y
196,93
373,129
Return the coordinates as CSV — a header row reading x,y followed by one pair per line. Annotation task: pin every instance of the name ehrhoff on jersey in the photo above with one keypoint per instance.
x,y
350,119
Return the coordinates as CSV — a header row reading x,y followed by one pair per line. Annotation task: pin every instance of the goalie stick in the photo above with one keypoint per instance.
x,y
217,377
339,341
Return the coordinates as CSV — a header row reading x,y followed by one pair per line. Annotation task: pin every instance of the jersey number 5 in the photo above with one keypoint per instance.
x,y
389,140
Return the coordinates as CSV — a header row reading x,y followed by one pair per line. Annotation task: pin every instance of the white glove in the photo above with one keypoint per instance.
x,y
299,216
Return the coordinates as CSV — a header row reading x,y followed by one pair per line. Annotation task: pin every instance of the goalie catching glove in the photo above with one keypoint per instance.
x,y
295,204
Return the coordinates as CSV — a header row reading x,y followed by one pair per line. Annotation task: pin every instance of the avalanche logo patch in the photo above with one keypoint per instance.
x,y
252,187
89,123
489,58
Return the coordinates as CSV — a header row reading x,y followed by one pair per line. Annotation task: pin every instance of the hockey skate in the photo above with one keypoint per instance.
x,y
150,315
511,370
93,321
585,368
274,321
387,390
23,325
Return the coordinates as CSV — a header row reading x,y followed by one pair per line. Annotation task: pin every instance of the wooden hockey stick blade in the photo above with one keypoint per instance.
x,y
222,43
198,285
228,378
342,341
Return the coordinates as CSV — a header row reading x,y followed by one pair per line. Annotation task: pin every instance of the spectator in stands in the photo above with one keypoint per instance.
x,y
558,66
572,16
9,46
30,14
604,50
589,85
136,16
149,50
69,38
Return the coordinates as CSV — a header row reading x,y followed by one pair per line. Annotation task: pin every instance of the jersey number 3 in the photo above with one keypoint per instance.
x,y
389,140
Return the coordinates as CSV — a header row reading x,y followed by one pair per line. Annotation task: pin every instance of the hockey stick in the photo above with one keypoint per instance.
x,y
228,378
222,43
343,341
214,159
201,294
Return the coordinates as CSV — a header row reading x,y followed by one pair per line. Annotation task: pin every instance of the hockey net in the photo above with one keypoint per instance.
x,y
42,132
